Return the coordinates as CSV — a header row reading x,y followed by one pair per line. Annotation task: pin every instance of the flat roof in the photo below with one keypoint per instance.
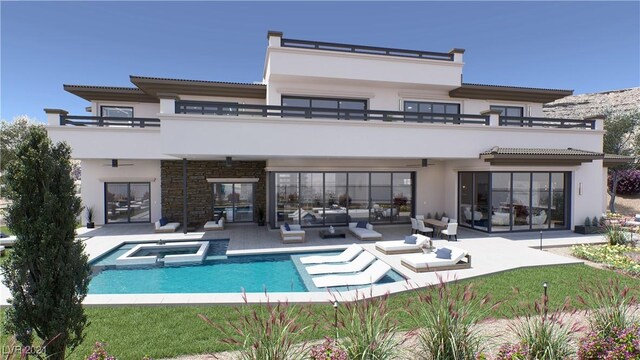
x,y
155,85
538,156
110,93
508,93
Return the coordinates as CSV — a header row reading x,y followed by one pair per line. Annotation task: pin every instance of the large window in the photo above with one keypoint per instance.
x,y
508,110
116,111
432,108
127,202
233,201
513,201
336,198
323,103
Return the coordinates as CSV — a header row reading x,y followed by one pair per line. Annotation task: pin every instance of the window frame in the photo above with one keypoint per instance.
x,y
505,108
336,99
128,183
102,107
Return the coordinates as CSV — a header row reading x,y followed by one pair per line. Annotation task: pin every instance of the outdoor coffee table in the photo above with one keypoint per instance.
x,y
325,234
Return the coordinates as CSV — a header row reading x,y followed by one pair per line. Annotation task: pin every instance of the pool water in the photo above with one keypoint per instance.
x,y
218,274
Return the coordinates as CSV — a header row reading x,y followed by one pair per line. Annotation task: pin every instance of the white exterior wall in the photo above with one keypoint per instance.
x,y
95,174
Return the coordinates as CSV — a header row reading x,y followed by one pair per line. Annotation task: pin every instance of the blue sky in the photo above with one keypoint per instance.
x,y
585,46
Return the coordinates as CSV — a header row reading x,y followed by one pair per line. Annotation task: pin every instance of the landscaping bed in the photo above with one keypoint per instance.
x,y
622,258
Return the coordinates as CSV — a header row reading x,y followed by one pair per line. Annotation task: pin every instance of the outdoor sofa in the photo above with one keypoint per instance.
x,y
294,233
169,227
364,232
214,225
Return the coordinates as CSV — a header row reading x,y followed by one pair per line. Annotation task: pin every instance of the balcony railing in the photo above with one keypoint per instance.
x,y
233,109
371,50
547,122
107,121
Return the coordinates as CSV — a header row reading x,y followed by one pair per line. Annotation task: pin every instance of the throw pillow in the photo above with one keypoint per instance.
x,y
163,221
410,239
361,224
287,227
443,253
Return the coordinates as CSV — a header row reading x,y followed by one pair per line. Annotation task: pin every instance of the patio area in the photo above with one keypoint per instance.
x,y
490,254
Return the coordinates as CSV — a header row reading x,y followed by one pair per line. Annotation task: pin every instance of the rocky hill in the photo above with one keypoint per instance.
x,y
581,106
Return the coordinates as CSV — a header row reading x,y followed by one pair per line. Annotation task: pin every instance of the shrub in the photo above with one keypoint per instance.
x,y
265,331
587,221
612,304
328,350
545,336
446,320
594,221
513,352
622,344
628,182
100,353
368,330
437,216
615,235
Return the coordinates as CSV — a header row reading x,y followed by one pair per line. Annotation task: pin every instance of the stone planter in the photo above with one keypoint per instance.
x,y
586,230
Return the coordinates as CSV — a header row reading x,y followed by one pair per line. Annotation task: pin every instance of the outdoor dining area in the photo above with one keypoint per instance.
x,y
437,228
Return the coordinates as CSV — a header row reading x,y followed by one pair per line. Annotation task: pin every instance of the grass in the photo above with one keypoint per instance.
x,y
132,332
5,230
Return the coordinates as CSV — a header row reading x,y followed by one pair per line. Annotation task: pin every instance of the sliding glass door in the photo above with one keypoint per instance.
x,y
513,201
234,201
127,202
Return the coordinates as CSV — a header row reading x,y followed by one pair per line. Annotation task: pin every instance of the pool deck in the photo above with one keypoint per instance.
x,y
490,254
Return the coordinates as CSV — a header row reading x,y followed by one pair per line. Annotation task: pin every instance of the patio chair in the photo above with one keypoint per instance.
x,y
451,230
414,225
419,217
214,225
422,228
372,274
358,264
402,247
459,259
444,219
294,234
347,255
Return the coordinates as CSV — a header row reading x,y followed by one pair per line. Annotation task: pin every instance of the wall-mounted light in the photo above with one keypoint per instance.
x,y
114,162
227,161
579,188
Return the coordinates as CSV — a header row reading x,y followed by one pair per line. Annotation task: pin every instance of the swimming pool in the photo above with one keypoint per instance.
x,y
218,274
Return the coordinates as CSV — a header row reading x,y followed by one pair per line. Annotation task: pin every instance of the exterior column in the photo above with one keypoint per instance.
x,y
494,116
457,54
168,103
53,116
274,38
599,119
184,195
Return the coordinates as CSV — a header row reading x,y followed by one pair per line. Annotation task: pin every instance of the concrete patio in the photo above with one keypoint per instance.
x,y
490,254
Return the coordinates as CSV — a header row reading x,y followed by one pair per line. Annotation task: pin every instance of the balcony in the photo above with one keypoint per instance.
x,y
105,121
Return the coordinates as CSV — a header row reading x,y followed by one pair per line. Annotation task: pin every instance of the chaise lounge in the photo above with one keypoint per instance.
x,y
214,225
347,255
374,273
402,247
437,260
358,264
164,226
291,233
364,231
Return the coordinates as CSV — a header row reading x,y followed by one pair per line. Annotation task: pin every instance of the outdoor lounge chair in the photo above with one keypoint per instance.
x,y
214,225
347,255
401,247
295,234
460,259
364,233
358,264
375,272
166,228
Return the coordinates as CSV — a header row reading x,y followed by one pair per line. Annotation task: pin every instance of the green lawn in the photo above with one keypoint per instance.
x,y
5,230
134,331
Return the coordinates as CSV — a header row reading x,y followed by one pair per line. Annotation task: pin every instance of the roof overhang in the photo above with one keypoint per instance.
x,y
613,160
108,93
155,86
539,157
508,93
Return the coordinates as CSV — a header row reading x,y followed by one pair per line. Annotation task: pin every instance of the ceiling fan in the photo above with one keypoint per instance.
x,y
115,163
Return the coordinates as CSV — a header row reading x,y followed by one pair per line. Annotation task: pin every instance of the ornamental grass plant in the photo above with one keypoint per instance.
x,y
446,320
368,330
266,332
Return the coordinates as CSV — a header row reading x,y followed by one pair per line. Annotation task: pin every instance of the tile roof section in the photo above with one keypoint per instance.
x,y
110,93
508,93
539,151
155,86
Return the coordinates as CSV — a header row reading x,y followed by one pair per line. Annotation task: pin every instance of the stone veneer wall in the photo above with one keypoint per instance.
x,y
199,191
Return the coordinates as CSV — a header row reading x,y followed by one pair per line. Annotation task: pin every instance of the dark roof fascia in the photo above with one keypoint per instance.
x,y
154,86
508,93
566,157
110,93
613,160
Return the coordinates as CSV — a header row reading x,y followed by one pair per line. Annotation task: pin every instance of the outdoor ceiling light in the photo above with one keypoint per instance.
x,y
228,161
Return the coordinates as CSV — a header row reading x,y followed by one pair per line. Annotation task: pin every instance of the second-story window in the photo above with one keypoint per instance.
x,y
116,111
432,108
509,110
341,106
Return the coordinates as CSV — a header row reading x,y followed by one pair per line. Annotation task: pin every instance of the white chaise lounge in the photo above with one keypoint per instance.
x,y
358,264
295,234
364,233
460,259
214,225
401,247
375,272
167,228
347,255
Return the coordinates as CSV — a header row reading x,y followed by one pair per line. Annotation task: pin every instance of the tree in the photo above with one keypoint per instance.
x,y
48,272
11,134
622,137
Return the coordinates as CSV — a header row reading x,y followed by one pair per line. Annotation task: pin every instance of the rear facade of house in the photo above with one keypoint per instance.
x,y
335,133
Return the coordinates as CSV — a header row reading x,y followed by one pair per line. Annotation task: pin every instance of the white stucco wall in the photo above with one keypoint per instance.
x,y
95,174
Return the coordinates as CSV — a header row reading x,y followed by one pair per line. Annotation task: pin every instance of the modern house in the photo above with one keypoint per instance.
x,y
335,133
